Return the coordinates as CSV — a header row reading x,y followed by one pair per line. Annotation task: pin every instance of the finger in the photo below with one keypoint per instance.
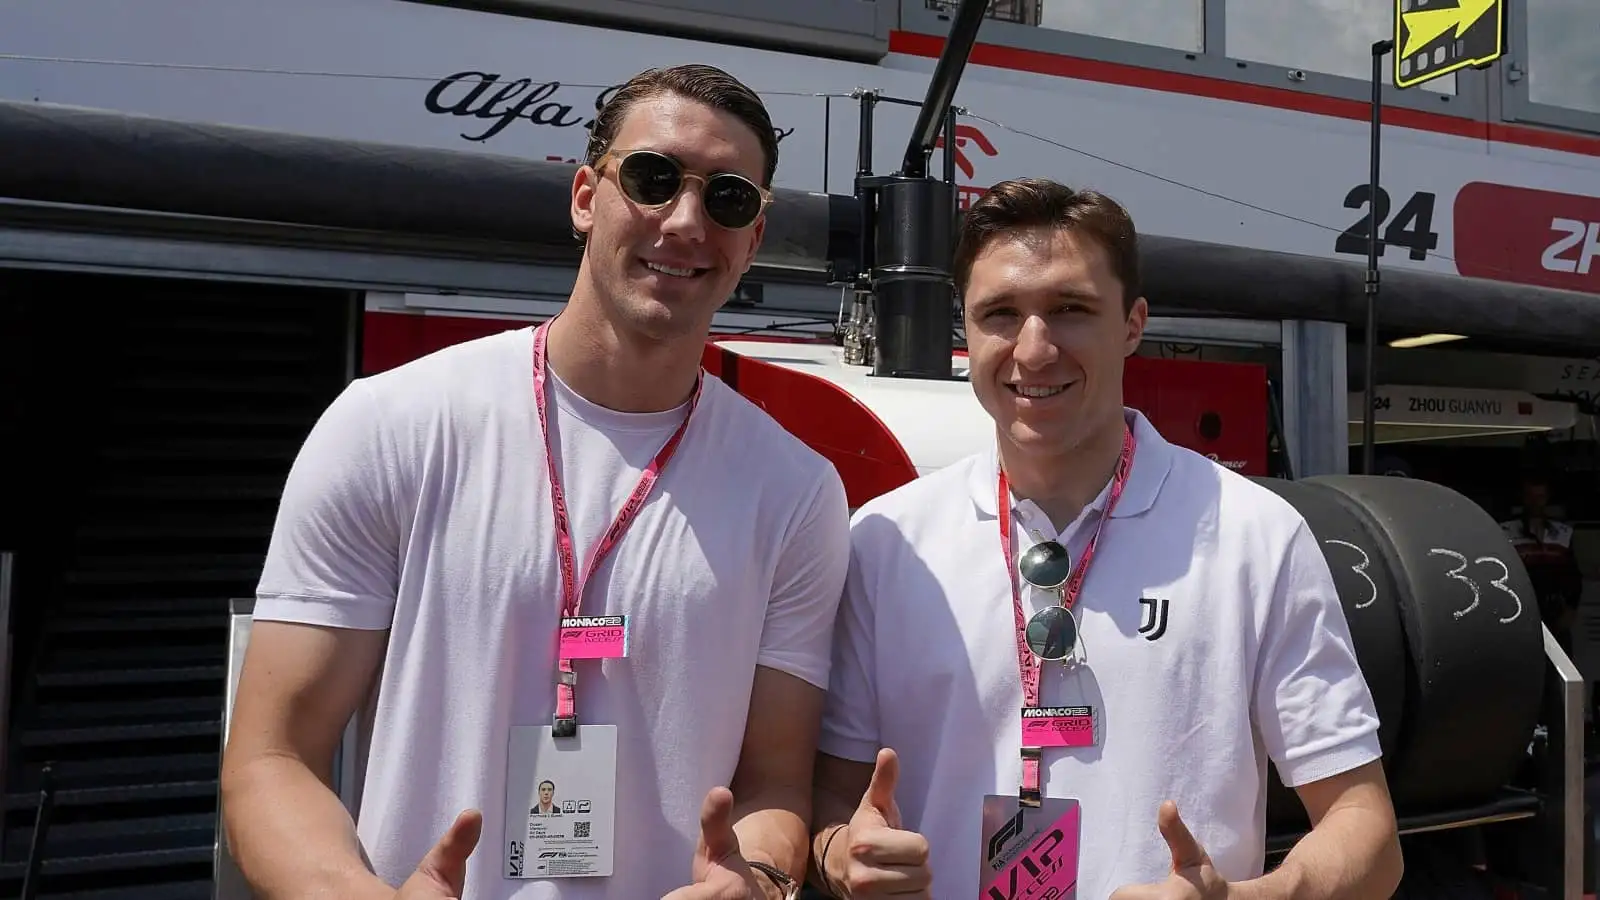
x,y
1186,851
905,882
716,825
887,848
446,863
880,791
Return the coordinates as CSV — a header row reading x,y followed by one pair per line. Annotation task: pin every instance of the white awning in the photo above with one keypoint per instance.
x,y
1406,413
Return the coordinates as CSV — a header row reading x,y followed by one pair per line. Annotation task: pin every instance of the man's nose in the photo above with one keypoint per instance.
x,y
686,216
1035,347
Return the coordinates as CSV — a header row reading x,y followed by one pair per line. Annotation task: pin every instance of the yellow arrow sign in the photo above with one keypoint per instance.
x,y
1423,26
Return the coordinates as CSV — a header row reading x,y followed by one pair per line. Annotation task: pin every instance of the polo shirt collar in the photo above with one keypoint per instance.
x,y
1152,460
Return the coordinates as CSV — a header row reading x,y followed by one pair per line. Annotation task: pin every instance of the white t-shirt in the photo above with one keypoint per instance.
x,y
1241,654
420,504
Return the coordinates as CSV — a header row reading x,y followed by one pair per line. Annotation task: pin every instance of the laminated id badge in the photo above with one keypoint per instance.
x,y
560,803
1029,853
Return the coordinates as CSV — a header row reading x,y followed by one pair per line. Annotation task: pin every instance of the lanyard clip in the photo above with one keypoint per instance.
x,y
564,724
1029,793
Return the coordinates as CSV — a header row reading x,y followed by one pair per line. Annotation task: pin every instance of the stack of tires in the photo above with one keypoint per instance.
x,y
1447,631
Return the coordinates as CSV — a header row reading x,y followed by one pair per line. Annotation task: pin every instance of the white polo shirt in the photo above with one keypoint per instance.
x,y
1214,637
420,504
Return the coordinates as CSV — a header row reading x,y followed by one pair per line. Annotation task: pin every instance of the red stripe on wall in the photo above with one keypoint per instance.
x,y
1060,66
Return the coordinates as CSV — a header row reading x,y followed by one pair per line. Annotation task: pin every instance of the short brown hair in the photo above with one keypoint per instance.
x,y
1022,204
705,84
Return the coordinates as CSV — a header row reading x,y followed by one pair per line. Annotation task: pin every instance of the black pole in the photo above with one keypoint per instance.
x,y
950,159
942,86
864,193
1369,392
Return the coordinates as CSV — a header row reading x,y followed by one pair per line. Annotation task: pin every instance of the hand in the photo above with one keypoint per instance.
x,y
1193,877
883,860
719,871
443,872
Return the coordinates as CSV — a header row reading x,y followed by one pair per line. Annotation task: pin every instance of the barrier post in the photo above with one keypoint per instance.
x,y
1563,815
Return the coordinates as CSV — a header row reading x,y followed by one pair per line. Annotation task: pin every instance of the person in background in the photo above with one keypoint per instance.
x,y
1064,662
558,551
1544,543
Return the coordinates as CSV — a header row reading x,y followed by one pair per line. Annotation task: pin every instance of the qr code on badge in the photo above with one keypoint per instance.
x,y
580,829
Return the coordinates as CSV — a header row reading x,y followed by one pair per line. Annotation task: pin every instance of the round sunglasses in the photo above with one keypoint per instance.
x,y
653,180
1052,632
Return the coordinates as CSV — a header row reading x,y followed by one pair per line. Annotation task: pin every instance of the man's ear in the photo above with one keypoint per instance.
x,y
584,183
1137,317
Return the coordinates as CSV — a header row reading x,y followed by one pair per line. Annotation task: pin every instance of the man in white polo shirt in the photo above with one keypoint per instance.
x,y
1058,636
557,557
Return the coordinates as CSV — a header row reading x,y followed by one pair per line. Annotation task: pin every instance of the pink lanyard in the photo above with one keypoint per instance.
x,y
1027,664
566,714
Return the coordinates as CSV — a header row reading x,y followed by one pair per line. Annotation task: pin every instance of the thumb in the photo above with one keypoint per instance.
x,y
880,791
446,863
1186,851
717,836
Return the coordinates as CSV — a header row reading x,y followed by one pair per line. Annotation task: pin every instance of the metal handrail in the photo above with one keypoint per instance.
x,y
228,882
8,561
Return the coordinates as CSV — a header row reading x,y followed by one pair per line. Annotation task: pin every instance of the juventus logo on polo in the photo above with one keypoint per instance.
x,y
1153,623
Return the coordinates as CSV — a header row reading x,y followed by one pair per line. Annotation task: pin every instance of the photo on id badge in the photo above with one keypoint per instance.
x,y
560,803
1029,853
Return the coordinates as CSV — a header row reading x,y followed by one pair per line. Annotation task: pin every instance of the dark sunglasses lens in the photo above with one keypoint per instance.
x,y
1052,633
649,179
731,201
1045,565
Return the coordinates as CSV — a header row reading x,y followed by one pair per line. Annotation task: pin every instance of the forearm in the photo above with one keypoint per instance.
x,y
773,827
290,835
1352,854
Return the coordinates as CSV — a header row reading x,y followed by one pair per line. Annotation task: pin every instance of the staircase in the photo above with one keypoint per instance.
x,y
199,398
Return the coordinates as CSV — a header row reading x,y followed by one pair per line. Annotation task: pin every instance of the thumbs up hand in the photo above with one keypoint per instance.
x,y
1193,877
719,871
882,859
442,874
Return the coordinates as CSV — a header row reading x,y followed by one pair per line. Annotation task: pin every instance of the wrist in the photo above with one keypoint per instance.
x,y
833,860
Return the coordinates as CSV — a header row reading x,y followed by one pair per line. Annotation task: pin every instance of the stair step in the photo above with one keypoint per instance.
x,y
99,772
122,677
189,889
58,714
112,862
174,575
189,449
173,526
135,624
144,606
135,834
136,656
108,796
169,489
180,386
108,734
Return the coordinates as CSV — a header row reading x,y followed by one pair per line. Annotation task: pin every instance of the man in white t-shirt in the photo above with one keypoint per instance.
x,y
433,571
1060,635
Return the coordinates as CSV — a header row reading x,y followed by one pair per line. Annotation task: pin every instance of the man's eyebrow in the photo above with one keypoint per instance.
x,y
1064,293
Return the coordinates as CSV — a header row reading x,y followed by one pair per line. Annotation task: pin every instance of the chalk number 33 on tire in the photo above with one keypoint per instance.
x,y
1459,573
